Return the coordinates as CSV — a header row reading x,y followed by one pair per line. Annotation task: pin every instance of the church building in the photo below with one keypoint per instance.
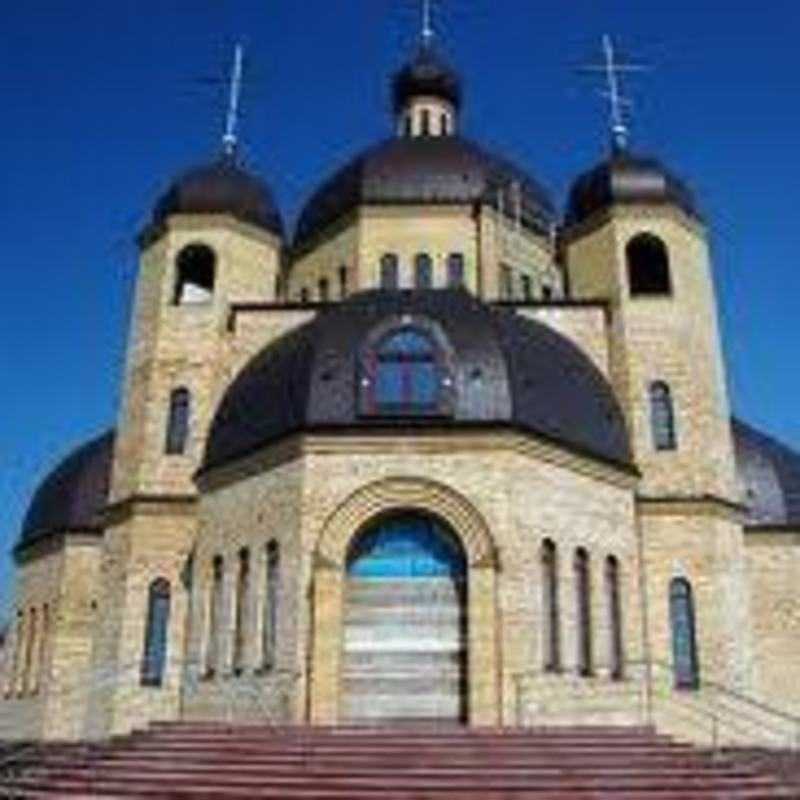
x,y
445,453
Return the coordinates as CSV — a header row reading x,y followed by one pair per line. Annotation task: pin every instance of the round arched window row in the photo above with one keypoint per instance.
x,y
195,272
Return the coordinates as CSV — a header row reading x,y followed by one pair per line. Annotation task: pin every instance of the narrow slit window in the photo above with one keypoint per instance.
x,y
614,619
389,277
343,288
272,596
455,270
662,417
242,600
550,610
685,660
178,421
423,271
154,660
215,616
583,601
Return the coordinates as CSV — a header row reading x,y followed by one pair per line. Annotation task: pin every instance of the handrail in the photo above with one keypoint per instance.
x,y
751,718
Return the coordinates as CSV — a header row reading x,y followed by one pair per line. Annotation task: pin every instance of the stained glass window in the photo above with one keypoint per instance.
x,y
684,641
405,378
155,642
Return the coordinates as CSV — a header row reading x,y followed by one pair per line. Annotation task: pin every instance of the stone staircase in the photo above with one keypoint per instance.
x,y
214,760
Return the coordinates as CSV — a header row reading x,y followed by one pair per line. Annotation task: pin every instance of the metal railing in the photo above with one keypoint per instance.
x,y
713,715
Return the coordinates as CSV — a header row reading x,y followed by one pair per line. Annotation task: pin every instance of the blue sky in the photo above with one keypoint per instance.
x,y
104,102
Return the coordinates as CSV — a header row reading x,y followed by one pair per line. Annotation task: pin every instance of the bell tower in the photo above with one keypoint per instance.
x,y
215,238
634,237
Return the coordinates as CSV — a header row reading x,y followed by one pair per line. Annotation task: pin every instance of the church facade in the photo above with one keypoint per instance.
x,y
445,454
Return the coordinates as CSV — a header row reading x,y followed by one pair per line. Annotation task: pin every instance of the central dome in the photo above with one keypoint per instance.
x,y
424,170
502,370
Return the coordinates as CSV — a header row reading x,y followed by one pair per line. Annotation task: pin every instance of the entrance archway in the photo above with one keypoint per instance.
x,y
405,636
356,514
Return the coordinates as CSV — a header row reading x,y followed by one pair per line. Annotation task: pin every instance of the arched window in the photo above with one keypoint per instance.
x,y
215,615
178,421
343,281
527,287
272,594
614,618
324,290
28,678
154,660
195,268
583,602
242,599
455,270
389,271
425,122
648,266
404,377
684,638
44,643
19,647
550,607
662,417
304,295
423,271
445,125
407,125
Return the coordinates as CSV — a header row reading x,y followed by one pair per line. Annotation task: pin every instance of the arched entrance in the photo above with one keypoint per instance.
x,y
405,637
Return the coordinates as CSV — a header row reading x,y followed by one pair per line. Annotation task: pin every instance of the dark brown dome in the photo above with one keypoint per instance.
x,y
627,179
70,498
506,370
222,187
424,170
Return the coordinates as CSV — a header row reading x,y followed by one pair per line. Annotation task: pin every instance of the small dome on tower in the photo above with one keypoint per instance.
x,y
626,179
221,187
428,75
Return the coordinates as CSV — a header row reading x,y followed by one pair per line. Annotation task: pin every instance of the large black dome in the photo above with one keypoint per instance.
x,y
72,495
429,75
507,370
424,170
627,179
221,187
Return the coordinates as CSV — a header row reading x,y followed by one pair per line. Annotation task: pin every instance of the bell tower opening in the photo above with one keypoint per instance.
x,y
405,635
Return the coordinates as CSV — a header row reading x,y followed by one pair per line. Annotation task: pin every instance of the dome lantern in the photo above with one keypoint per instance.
x,y
426,95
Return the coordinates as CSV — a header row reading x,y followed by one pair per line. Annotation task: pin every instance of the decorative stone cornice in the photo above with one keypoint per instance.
x,y
703,504
148,505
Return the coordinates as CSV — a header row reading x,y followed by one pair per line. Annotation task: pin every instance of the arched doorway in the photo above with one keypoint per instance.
x,y
405,623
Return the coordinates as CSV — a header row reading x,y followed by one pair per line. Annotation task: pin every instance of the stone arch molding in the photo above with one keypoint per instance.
x,y
406,494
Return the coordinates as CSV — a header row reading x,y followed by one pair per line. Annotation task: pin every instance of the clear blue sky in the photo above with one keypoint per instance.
x,y
103,102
